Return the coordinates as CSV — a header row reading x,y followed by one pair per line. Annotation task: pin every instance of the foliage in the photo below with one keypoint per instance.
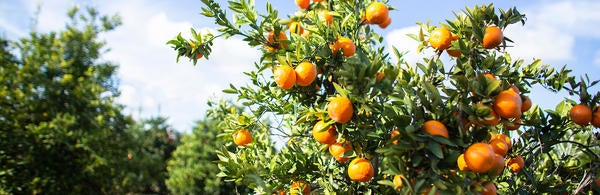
x,y
154,142
405,98
192,169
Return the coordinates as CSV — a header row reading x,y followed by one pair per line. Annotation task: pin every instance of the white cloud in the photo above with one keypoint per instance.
x,y
400,40
551,30
541,42
151,79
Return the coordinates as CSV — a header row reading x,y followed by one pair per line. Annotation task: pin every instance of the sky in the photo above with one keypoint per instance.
x,y
560,32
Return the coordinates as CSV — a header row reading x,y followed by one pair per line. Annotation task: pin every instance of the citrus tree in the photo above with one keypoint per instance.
x,y
358,121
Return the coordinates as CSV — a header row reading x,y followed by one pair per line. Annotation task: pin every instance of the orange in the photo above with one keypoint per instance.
x,y
395,133
514,125
499,146
340,109
596,117
492,37
526,104
379,76
516,164
303,4
479,156
504,138
489,189
346,45
326,16
361,169
386,23
324,134
295,27
306,73
300,186
338,149
440,38
498,165
462,164
242,137
278,42
507,104
317,1
581,114
199,55
492,119
377,13
398,180
434,127
285,77
453,53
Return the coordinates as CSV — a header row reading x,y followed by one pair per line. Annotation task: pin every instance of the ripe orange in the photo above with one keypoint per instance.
x,y
493,121
326,16
498,165
361,169
507,104
462,164
596,117
271,39
489,189
379,76
377,13
581,114
526,104
338,149
479,156
346,45
295,27
306,73
398,180
242,137
514,125
285,77
395,133
386,23
504,138
453,53
435,127
499,146
326,136
303,4
516,164
492,37
440,38
340,109
300,187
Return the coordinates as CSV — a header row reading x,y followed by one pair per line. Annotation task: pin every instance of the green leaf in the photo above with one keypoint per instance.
x,y
436,149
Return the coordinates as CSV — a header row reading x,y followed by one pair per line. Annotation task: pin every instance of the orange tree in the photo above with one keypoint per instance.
x,y
458,127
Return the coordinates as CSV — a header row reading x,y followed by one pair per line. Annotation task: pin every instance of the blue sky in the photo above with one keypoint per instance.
x,y
559,32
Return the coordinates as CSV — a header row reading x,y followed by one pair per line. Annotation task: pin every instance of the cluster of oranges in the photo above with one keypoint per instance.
x,y
441,39
340,110
303,75
581,114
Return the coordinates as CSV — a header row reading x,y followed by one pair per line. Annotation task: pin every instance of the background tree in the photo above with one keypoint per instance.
x,y
457,127
192,169
61,131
